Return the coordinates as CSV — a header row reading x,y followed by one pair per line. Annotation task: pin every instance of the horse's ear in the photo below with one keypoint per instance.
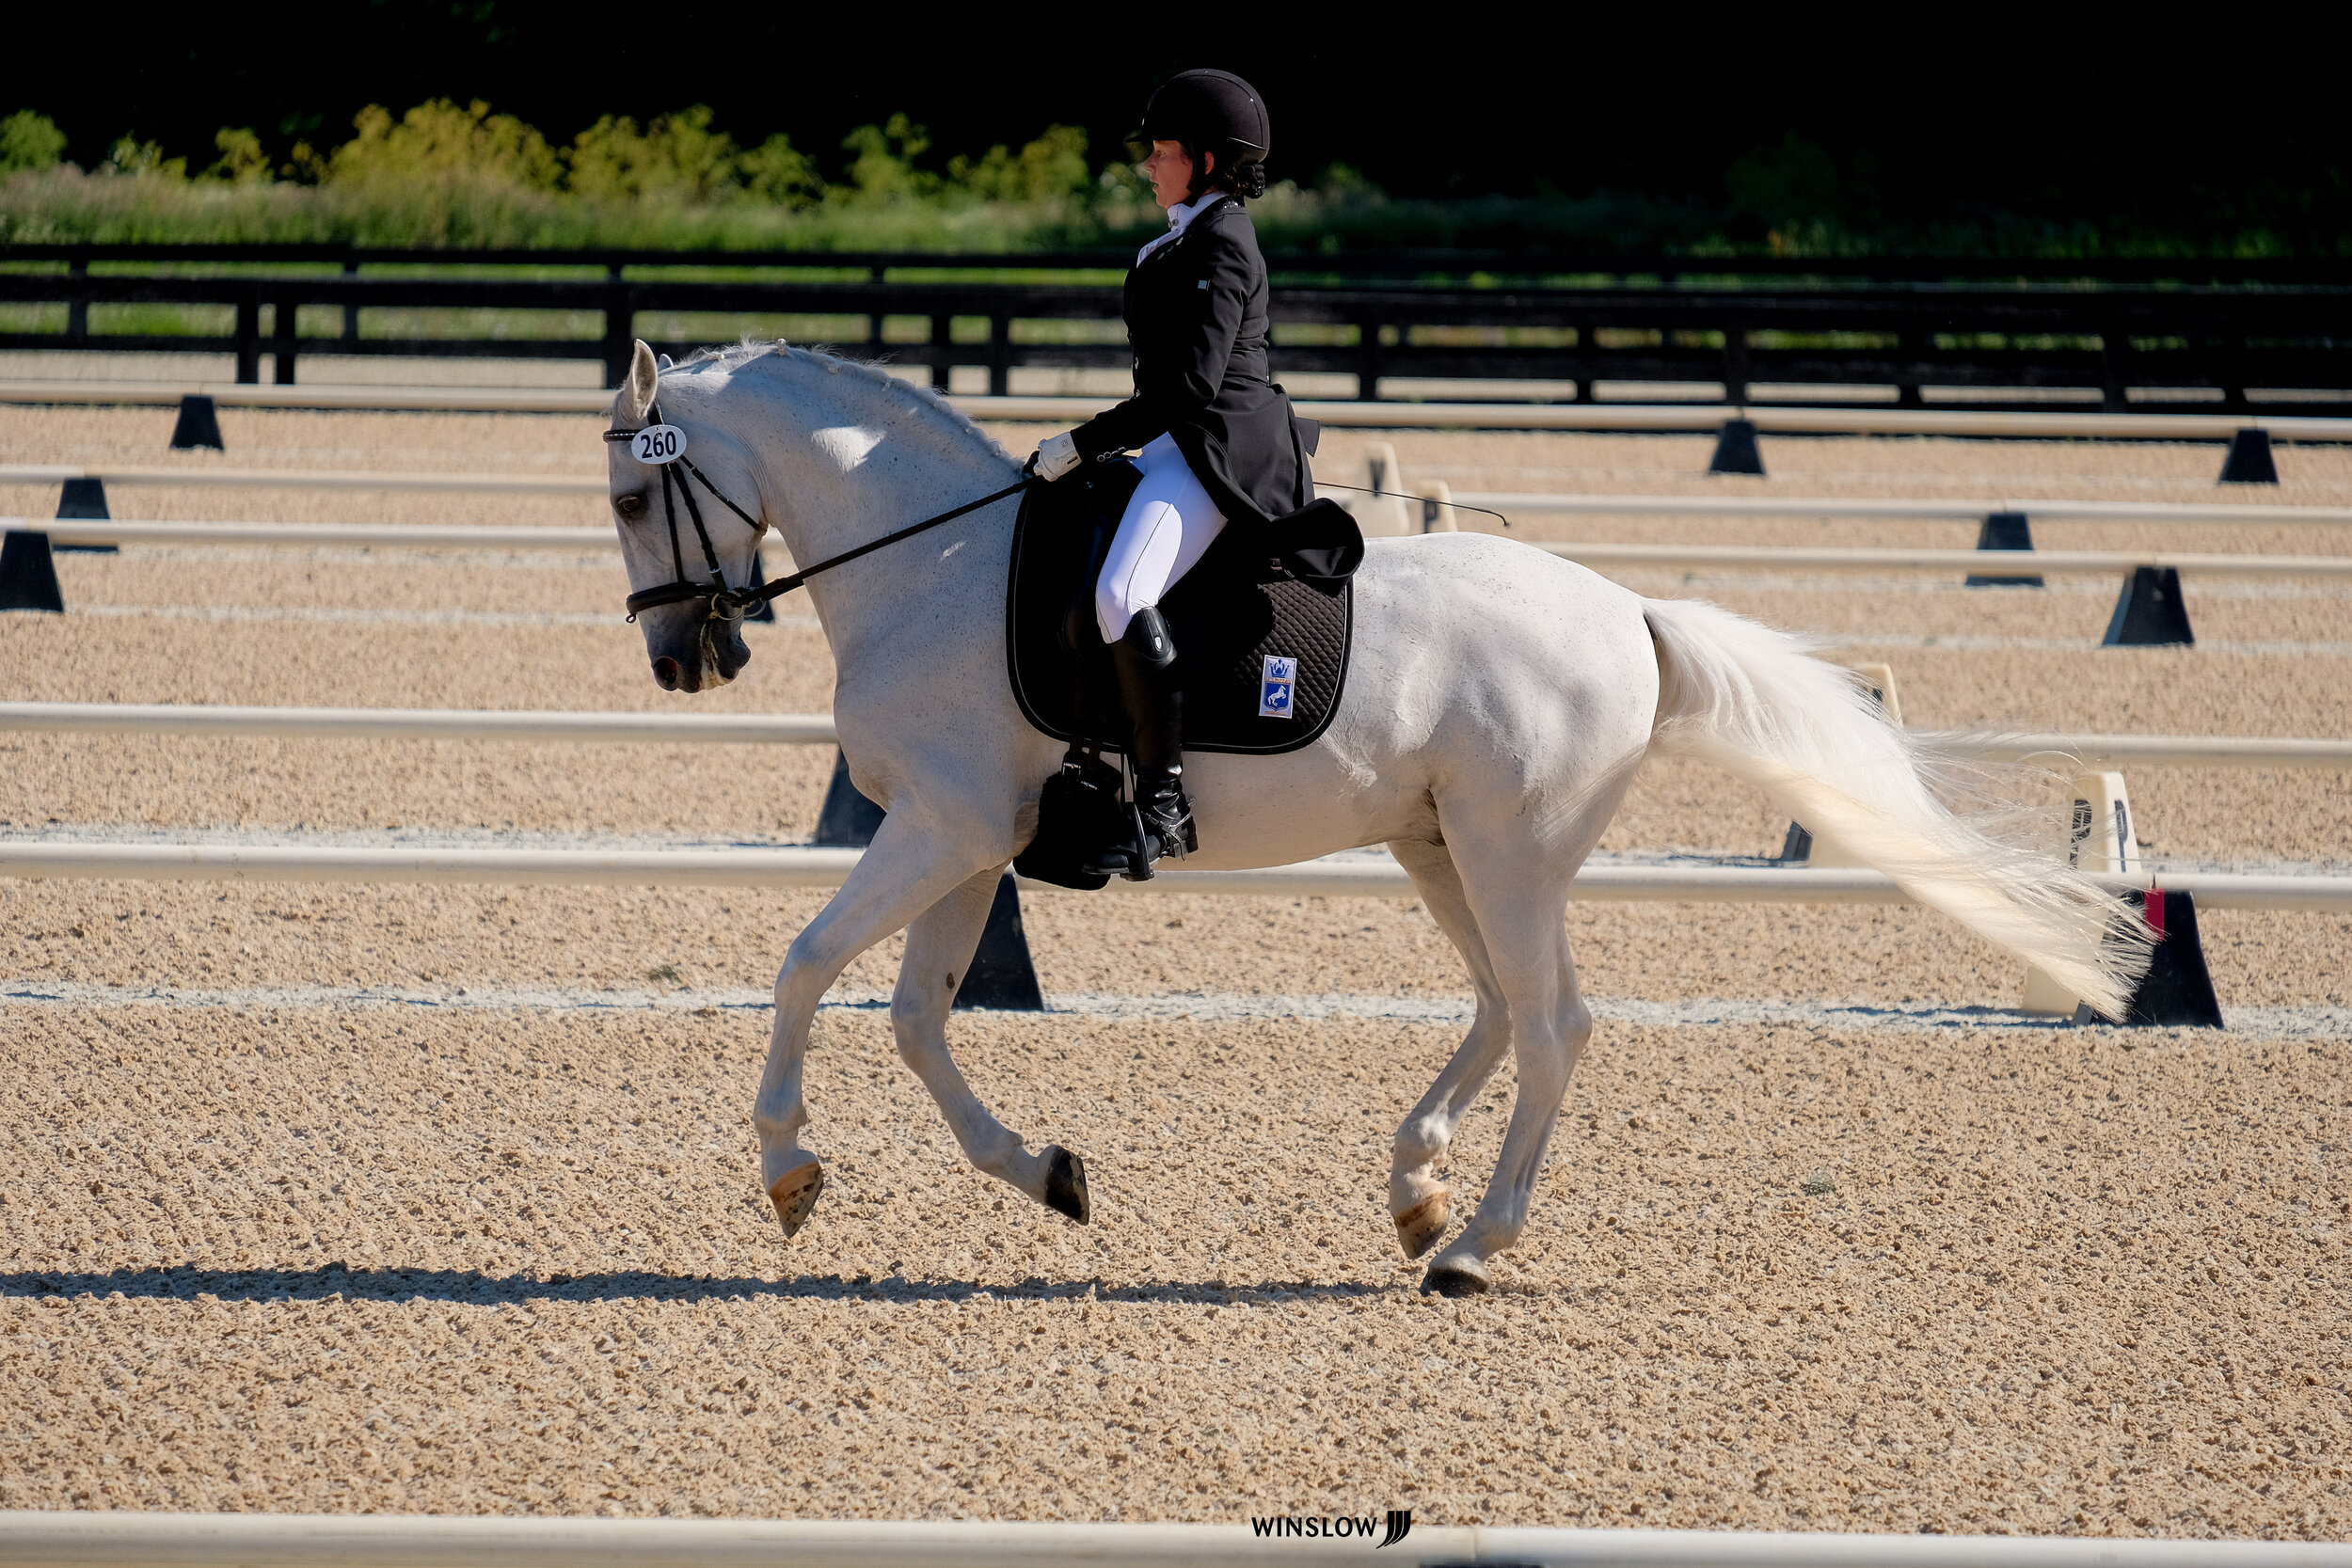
x,y
643,386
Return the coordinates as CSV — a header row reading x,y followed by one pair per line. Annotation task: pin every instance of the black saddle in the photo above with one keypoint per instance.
x,y
1262,625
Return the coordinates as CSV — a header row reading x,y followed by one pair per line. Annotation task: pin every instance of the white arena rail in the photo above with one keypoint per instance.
x,y
107,530
1890,509
391,723
1875,508
126,1539
2147,751
1773,558
803,866
111,531
817,729
308,479
243,395
1853,420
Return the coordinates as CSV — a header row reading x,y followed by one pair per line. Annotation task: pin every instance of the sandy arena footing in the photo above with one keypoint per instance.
x,y
418,1199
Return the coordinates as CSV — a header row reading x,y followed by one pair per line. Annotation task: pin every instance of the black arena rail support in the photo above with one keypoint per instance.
x,y
199,424
1736,451
83,498
2150,612
2005,530
2177,990
1973,333
28,577
2249,460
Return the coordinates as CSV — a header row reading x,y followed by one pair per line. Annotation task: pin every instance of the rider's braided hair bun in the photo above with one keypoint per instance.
x,y
1239,169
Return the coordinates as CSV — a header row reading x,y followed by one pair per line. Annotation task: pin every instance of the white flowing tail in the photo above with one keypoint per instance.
x,y
1757,704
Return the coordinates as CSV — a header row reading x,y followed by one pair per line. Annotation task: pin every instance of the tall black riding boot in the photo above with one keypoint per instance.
x,y
1145,660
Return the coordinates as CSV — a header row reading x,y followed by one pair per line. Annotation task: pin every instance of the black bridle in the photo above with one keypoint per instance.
x,y
728,603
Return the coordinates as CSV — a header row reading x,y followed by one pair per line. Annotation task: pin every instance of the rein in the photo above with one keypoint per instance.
x,y
728,603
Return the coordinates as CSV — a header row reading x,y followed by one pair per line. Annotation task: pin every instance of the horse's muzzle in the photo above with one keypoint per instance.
x,y
715,656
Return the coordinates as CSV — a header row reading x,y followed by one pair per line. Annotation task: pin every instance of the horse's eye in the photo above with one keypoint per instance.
x,y
630,504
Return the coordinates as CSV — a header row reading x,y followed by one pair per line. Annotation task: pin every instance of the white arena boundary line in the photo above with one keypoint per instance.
x,y
2290,1022
134,1540
815,729
1364,414
810,868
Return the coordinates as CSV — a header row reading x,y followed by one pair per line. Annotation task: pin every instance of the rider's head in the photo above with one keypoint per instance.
x,y
1219,124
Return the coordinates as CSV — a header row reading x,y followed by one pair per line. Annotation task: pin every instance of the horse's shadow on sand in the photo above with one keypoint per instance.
x,y
186,1282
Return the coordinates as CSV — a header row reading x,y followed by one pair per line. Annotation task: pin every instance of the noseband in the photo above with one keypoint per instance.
x,y
724,601
728,603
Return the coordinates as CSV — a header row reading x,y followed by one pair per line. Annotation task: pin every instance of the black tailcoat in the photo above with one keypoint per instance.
x,y
1197,319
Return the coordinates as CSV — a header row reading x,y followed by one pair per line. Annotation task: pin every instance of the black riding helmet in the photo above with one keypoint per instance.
x,y
1215,111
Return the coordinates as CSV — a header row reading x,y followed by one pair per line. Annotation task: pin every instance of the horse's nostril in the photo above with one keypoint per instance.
x,y
665,670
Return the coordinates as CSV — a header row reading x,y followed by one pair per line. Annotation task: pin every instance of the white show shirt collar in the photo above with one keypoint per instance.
x,y
1179,219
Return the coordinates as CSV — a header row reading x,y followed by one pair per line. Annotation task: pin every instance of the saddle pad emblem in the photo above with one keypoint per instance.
x,y
1274,690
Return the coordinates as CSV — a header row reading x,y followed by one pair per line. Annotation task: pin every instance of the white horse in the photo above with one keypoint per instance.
x,y
1499,702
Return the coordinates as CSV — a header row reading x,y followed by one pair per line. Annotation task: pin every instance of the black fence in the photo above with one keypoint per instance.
x,y
1981,334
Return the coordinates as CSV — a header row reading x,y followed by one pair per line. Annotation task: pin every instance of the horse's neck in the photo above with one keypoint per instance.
x,y
922,601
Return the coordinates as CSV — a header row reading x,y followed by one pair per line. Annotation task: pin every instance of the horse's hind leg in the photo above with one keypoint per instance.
x,y
939,952
1520,903
1417,1200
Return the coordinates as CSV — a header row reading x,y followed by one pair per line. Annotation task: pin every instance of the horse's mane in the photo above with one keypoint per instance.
x,y
732,356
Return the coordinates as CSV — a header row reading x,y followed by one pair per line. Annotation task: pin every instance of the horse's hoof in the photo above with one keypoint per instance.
x,y
794,1193
1419,1227
1066,1184
1462,1275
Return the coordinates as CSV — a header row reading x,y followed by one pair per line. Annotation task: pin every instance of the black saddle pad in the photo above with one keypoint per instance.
x,y
1262,638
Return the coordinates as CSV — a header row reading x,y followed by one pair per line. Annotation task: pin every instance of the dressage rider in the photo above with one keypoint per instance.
x,y
1216,432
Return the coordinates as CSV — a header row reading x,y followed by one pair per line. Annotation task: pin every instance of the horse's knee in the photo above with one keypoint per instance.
x,y
1576,1028
810,958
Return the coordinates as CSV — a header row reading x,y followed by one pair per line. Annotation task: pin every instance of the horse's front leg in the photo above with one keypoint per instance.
x,y
914,861
939,952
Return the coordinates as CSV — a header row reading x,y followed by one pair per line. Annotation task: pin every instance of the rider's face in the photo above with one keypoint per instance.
x,y
1170,170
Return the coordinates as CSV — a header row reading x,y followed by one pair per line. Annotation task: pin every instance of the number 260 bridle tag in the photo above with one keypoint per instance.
x,y
659,443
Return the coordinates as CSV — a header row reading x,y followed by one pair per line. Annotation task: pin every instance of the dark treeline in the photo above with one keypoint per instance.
x,y
2005,121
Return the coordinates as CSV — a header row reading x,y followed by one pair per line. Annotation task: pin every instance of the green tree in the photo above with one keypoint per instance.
x,y
882,170
143,159
1051,168
440,140
678,156
1788,188
30,140
242,160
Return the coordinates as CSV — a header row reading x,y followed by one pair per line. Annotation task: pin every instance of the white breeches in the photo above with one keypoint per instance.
x,y
1169,524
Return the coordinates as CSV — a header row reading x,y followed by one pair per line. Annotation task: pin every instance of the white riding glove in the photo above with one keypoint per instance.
x,y
1055,456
